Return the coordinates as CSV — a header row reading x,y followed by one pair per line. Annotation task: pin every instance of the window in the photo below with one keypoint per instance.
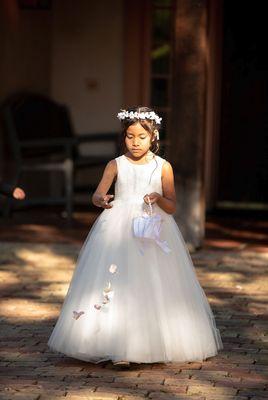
x,y
162,31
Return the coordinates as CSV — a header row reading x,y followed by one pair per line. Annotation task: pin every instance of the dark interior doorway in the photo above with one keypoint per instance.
x,y
243,151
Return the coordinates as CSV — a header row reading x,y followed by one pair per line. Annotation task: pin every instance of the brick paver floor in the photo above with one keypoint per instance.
x,y
34,279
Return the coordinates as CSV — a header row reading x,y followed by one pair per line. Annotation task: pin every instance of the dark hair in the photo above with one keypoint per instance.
x,y
149,125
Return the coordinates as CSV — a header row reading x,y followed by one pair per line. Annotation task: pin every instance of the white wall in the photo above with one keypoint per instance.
x,y
87,47
87,70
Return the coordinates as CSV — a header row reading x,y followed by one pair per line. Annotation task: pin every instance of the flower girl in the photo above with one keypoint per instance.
x,y
134,295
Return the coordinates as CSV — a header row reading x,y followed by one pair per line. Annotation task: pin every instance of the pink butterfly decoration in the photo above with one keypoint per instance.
x,y
106,300
77,315
107,291
113,268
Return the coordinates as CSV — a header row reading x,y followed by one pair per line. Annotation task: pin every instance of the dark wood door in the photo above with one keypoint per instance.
x,y
243,150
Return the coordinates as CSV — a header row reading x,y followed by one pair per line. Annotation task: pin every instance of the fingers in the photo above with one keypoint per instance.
x,y
105,199
107,206
152,200
104,204
148,198
145,198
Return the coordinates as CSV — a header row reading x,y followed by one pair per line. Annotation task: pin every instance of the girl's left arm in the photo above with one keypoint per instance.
x,y
168,200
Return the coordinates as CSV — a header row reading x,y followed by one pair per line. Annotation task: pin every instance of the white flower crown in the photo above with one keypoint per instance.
x,y
142,115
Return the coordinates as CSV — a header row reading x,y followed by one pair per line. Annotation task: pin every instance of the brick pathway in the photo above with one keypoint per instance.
x,y
33,281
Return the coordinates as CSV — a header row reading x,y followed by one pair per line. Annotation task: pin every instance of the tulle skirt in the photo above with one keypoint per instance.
x,y
128,299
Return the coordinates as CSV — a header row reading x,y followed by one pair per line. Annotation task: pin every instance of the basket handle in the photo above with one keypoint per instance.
x,y
150,206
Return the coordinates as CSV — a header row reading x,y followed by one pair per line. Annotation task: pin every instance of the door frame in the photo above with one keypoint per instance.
x,y
213,101
136,54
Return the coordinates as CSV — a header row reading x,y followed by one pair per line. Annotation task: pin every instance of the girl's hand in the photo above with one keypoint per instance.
x,y
18,193
154,196
103,201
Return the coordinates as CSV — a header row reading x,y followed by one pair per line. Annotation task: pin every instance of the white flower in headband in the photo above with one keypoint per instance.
x,y
142,115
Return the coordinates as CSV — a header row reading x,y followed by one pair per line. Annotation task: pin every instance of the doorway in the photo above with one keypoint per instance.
x,y
242,180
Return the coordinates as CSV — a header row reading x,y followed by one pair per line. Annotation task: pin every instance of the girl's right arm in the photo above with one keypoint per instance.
x,y
99,197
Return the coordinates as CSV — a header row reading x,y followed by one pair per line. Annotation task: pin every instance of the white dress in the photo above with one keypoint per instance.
x,y
135,299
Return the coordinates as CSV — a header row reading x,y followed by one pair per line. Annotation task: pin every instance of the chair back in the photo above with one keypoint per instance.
x,y
31,116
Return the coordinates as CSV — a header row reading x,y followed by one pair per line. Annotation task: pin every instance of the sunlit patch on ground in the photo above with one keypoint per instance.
x,y
34,279
27,310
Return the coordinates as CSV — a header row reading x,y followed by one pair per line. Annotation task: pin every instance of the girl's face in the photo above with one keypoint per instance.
x,y
138,140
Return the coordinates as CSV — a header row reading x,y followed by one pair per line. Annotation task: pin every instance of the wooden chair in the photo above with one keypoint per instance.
x,y
41,138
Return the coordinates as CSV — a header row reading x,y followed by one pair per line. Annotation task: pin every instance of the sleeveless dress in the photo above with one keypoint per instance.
x,y
133,299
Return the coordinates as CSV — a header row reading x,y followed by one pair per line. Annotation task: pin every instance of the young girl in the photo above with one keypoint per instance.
x,y
134,295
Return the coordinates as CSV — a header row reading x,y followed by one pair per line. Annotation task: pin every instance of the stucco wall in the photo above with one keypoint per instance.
x,y
86,67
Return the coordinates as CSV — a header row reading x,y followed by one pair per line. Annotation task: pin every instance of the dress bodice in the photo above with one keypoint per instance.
x,y
135,180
